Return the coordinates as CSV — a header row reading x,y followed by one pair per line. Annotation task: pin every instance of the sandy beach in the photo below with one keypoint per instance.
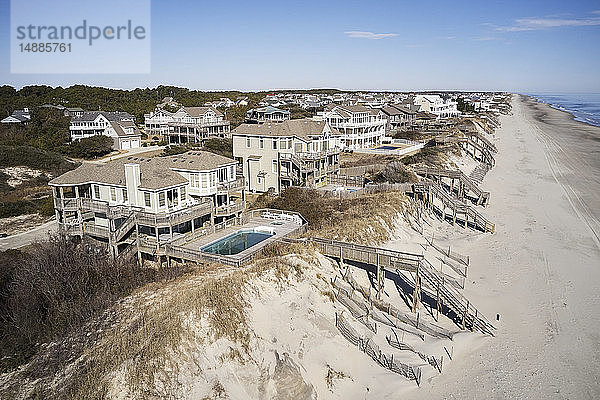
x,y
541,269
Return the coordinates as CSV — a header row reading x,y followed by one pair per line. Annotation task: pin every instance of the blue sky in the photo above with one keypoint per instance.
x,y
525,46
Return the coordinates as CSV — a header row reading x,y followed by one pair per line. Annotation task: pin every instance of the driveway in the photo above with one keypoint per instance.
x,y
27,238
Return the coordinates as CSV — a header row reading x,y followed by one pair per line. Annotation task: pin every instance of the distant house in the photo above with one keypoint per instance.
x,y
241,101
74,112
299,152
397,116
267,114
187,125
156,123
435,104
361,126
18,117
118,125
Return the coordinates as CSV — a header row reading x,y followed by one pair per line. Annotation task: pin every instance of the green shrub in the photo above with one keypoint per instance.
x,y
88,148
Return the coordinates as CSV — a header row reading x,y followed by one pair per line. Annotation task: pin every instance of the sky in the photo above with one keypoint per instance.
x,y
518,46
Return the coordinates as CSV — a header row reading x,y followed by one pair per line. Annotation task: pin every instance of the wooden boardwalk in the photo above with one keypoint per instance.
x,y
426,278
460,184
450,207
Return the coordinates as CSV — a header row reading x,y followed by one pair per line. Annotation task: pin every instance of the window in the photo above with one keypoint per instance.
x,y
194,180
161,199
204,180
124,192
274,144
113,194
147,199
275,166
222,175
212,179
183,194
247,142
282,145
261,143
289,146
232,172
97,192
259,180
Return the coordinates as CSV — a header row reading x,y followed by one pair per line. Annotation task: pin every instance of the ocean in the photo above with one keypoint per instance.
x,y
585,107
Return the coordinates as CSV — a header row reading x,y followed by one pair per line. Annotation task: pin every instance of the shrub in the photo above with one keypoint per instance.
x,y
395,172
32,157
92,147
58,286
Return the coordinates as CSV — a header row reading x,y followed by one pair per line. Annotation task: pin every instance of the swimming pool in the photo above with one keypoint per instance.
x,y
386,148
236,242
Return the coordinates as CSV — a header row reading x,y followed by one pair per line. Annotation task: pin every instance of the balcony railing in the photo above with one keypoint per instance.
x,y
318,155
238,184
92,229
230,209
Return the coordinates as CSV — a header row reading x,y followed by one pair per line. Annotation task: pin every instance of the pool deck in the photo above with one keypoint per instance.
x,y
282,230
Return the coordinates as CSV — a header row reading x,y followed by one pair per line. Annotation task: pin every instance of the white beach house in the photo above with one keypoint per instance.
x,y
120,126
187,125
435,104
361,127
127,198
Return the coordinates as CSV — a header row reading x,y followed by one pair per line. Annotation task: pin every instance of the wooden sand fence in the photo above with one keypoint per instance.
x,y
367,346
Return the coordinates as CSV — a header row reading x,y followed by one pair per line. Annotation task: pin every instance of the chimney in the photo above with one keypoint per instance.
x,y
132,181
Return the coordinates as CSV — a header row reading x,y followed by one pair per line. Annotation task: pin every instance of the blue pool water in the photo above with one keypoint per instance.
x,y
236,242
386,148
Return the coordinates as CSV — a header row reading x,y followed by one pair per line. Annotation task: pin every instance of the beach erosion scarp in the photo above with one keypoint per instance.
x,y
540,270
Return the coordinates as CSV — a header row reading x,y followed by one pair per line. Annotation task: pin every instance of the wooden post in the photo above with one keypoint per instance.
x,y
379,279
465,315
137,242
416,292
437,315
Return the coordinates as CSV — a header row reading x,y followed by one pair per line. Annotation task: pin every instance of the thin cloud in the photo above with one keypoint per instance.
x,y
536,24
369,35
485,38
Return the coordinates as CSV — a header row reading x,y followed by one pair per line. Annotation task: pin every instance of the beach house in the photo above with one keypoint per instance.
x,y
300,152
187,125
442,107
17,117
120,126
397,116
152,199
266,114
361,127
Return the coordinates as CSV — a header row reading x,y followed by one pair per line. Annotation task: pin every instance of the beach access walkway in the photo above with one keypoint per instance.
x,y
459,184
423,278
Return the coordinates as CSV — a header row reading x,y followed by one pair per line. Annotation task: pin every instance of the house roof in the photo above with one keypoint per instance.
x,y
396,110
109,115
156,172
196,112
120,126
302,128
269,110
